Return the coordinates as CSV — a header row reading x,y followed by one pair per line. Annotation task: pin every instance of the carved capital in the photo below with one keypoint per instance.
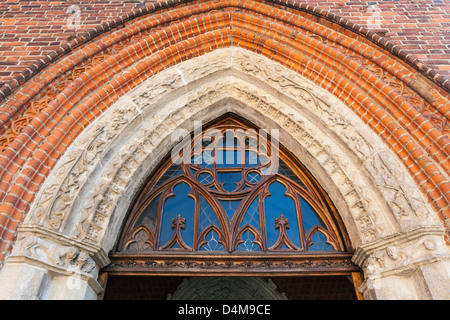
x,y
38,245
402,253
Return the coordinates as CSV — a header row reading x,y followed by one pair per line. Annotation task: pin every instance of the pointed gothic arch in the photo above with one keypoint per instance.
x,y
74,162
289,250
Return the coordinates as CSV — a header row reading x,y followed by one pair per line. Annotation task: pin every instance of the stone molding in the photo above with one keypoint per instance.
x,y
51,255
58,254
265,264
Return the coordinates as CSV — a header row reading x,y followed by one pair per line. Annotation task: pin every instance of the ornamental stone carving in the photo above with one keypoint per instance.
x,y
229,288
329,132
43,246
402,253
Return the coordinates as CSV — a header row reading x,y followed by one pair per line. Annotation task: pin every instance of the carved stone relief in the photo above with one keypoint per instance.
x,y
402,254
56,256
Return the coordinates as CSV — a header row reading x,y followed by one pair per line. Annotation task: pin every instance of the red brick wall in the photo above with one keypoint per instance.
x,y
31,30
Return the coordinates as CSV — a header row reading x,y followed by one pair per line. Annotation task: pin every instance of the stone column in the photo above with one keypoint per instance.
x,y
413,265
49,266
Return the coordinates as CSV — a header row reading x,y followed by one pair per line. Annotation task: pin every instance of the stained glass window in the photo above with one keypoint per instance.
x,y
235,190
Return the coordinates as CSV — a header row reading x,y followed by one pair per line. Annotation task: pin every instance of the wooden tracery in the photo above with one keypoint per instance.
x,y
222,196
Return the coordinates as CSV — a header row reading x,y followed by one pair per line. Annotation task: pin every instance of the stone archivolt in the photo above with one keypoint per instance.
x,y
330,134
124,107
87,195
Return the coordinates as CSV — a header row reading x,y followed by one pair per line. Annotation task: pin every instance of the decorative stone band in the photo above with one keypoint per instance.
x,y
225,264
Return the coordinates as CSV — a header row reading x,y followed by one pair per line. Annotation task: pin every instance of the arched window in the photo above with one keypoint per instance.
x,y
230,199
231,189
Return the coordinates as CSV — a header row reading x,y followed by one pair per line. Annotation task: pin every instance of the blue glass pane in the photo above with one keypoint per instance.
x,y
197,159
228,159
175,246
320,244
229,140
284,170
172,172
148,216
205,178
251,158
252,215
230,207
230,180
181,205
205,159
248,244
251,142
278,204
253,177
207,215
193,170
212,244
310,217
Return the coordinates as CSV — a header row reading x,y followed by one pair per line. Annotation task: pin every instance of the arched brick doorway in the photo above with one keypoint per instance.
x,y
393,209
